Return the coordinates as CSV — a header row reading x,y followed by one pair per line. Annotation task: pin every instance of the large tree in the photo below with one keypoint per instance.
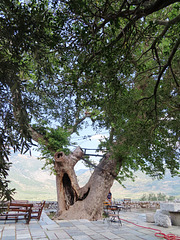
x,y
122,66
27,67
118,65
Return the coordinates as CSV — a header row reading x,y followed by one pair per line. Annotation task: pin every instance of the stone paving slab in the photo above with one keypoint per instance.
x,y
46,229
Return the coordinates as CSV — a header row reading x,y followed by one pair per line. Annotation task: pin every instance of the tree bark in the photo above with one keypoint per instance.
x,y
86,202
75,202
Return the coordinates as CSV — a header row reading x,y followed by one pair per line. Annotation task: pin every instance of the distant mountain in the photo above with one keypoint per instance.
x,y
33,183
30,181
81,171
143,184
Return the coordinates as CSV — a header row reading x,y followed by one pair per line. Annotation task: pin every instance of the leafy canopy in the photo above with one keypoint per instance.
x,y
123,67
55,140
116,62
27,67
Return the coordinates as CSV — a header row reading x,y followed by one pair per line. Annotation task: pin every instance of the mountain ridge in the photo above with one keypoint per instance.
x,y
33,183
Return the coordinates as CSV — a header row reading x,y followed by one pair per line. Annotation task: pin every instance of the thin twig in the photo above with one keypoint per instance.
x,y
95,166
174,76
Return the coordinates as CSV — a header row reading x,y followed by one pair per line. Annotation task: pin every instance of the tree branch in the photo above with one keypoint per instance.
x,y
168,23
37,136
174,76
78,121
166,65
159,37
138,13
154,7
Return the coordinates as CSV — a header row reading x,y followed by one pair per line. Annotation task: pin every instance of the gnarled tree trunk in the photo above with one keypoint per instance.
x,y
86,202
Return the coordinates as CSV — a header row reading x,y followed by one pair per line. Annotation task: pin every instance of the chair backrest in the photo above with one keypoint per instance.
x,y
112,207
127,203
37,210
19,201
106,203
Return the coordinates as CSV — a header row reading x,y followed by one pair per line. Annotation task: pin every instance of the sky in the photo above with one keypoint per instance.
x,y
87,138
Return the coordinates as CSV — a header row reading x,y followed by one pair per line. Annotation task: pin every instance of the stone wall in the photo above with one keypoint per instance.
x,y
52,205
140,204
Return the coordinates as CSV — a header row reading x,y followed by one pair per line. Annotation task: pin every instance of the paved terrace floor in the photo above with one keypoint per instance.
x,y
82,229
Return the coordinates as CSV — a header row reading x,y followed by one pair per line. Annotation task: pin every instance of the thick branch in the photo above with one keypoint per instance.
x,y
168,23
154,7
141,11
37,136
63,161
167,64
134,16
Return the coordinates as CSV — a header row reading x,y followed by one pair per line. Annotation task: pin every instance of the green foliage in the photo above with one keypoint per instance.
x,y
25,59
127,73
55,140
117,60
171,198
156,197
5,193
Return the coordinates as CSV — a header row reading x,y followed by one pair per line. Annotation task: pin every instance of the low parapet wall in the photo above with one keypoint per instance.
x,y
170,207
51,205
141,204
134,204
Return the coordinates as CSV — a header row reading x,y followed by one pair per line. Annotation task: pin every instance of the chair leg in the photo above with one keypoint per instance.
x,y
119,221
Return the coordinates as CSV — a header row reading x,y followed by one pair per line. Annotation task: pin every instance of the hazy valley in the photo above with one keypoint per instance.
x,y
33,183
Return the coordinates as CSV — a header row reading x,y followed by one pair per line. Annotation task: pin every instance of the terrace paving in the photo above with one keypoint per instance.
x,y
83,229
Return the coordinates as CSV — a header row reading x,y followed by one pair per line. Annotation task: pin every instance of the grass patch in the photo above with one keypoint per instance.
x,y
51,215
